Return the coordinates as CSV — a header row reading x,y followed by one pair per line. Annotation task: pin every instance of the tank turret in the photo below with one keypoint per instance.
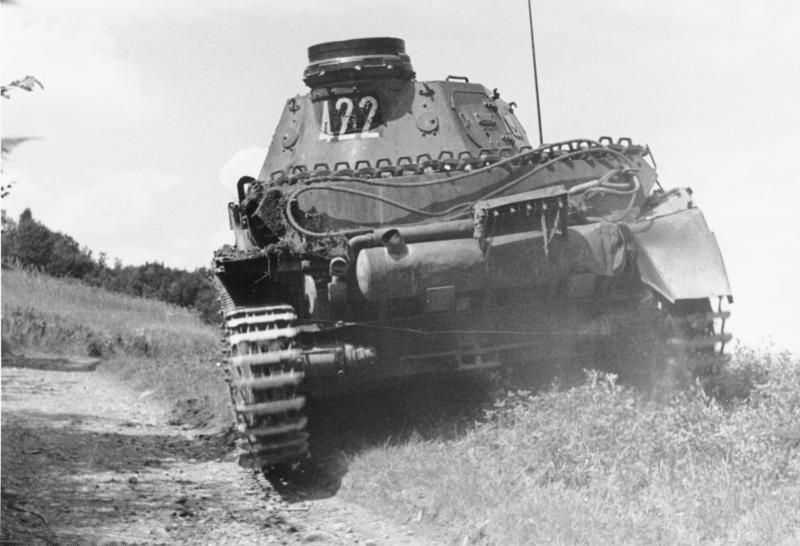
x,y
366,113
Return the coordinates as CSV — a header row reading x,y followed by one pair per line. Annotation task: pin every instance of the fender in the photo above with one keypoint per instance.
x,y
677,255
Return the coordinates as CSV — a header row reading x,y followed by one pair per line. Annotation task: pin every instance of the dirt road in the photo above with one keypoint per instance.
x,y
86,459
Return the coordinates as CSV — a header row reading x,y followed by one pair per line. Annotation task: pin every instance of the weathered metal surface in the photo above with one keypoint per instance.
x,y
456,262
678,255
387,123
373,202
514,260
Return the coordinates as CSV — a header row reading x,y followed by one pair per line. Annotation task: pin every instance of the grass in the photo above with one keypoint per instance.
x,y
151,344
597,464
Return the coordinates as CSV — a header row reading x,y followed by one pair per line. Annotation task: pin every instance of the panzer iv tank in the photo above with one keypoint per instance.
x,y
401,228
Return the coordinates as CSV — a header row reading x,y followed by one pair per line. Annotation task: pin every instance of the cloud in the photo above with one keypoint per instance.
x,y
84,74
244,162
116,11
125,214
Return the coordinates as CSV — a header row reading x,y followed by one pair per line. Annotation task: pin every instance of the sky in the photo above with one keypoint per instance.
x,y
151,110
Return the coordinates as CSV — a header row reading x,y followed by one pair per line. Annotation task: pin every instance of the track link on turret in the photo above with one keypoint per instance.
x,y
266,368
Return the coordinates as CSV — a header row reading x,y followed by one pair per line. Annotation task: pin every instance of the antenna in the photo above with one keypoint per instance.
x,y
535,74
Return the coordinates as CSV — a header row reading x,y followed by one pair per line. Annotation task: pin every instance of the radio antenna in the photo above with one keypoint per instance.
x,y
535,74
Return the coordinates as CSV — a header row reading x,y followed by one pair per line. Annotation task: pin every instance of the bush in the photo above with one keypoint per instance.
x,y
32,245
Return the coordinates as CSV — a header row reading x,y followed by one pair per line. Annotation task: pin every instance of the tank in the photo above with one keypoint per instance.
x,y
402,228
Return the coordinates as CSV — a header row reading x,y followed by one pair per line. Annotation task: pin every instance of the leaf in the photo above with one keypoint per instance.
x,y
10,143
28,83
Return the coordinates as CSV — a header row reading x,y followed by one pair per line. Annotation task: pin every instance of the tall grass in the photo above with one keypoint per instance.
x,y
597,464
155,345
51,312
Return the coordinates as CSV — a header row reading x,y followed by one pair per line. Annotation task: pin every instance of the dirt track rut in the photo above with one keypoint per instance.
x,y
87,459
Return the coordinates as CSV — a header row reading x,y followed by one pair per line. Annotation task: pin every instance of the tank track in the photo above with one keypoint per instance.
x,y
696,347
266,371
678,344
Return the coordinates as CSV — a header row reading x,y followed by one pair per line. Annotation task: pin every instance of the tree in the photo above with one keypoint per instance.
x,y
30,243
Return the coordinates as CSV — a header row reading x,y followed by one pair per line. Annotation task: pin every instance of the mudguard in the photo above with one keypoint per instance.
x,y
677,255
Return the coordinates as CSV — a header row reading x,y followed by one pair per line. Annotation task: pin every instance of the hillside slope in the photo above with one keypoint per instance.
x,y
154,345
597,464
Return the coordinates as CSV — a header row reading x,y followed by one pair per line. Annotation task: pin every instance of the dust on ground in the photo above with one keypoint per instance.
x,y
86,459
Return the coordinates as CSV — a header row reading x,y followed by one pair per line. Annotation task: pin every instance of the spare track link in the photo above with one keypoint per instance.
x,y
266,368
